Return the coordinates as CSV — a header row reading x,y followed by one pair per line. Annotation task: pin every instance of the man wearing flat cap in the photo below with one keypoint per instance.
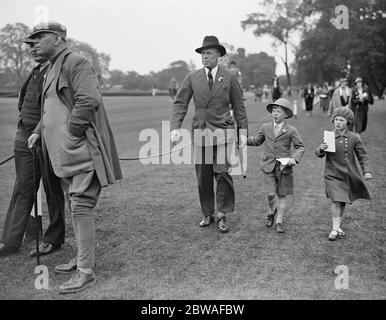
x,y
18,213
213,90
77,142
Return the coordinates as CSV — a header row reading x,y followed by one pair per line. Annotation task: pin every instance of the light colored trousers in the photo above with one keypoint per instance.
x,y
83,190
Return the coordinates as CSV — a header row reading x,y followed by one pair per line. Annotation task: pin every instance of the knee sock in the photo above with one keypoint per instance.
x,y
86,241
335,223
282,204
271,203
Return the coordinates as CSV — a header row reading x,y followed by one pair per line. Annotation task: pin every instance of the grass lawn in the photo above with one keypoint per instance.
x,y
149,245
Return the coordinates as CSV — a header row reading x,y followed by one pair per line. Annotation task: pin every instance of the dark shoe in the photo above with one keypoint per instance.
x,y
206,221
7,250
270,219
279,227
78,282
45,248
223,225
66,267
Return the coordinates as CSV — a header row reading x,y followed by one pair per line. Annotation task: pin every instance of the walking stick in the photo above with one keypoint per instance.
x,y
37,217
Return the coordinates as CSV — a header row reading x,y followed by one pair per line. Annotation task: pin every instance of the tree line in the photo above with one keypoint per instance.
x,y
324,54
16,62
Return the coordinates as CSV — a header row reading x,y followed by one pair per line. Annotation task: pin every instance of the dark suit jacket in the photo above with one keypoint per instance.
x,y
212,109
277,147
23,90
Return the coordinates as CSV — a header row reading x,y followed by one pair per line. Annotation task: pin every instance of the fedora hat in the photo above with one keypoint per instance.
x,y
285,104
211,42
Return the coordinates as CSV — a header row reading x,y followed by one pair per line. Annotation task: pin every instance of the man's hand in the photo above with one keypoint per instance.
x,y
175,136
243,141
368,176
32,140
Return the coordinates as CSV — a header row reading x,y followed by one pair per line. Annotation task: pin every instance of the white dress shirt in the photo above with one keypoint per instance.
x,y
214,72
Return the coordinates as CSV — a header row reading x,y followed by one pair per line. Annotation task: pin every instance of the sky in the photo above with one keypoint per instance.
x,y
147,35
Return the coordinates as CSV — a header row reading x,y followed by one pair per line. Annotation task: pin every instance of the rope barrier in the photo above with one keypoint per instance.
x,y
121,158
157,155
10,157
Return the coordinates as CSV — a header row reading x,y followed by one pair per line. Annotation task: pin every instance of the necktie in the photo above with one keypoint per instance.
x,y
276,129
210,79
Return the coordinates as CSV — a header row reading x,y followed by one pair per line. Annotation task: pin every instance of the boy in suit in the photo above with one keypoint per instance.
x,y
278,175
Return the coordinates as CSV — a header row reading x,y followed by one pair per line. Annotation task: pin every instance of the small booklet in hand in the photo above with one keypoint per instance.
x,y
283,162
329,138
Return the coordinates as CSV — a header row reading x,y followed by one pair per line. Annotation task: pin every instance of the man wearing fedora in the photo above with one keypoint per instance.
x,y
77,142
278,136
18,213
213,90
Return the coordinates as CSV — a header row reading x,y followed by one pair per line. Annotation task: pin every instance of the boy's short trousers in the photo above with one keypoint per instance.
x,y
278,182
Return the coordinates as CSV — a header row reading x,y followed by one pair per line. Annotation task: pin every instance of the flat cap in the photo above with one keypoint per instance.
x,y
49,26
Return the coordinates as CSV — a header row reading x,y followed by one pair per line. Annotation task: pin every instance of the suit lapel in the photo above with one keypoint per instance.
x,y
54,70
217,84
283,129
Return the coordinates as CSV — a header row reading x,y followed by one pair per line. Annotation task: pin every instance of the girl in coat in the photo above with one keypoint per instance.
x,y
343,179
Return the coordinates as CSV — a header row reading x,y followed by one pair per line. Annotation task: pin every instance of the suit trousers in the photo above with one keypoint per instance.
x,y
22,197
83,190
211,163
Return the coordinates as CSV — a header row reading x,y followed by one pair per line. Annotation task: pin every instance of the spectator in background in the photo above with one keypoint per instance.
x,y
233,69
276,90
154,90
324,99
308,99
173,87
341,96
361,98
265,93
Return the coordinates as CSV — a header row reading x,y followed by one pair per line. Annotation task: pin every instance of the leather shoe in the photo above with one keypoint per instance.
x,y
206,221
66,267
78,282
279,227
7,250
45,248
270,219
223,225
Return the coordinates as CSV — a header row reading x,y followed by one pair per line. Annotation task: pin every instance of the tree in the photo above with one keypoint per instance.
x,y
100,61
325,52
256,68
117,77
279,19
16,61
15,58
